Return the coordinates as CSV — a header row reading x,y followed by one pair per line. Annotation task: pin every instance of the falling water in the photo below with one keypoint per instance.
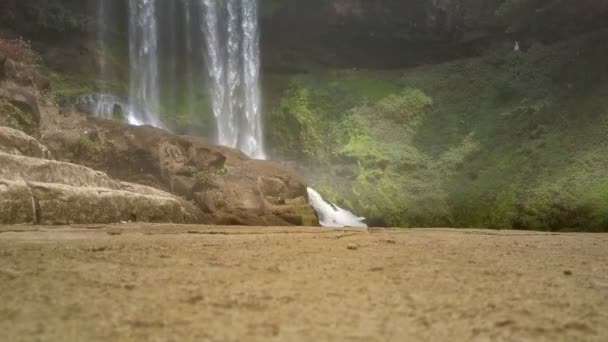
x,y
231,35
330,215
190,58
230,49
103,13
165,53
143,63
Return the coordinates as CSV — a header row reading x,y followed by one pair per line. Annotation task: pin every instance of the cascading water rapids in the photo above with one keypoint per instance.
x,y
330,215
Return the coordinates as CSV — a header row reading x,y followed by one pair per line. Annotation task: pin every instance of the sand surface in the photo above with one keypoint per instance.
x,y
197,283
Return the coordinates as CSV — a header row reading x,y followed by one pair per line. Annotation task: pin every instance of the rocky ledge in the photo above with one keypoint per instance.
x,y
106,171
226,185
44,191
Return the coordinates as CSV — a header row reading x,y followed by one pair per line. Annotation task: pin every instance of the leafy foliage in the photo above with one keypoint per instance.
x,y
14,117
19,50
46,15
508,140
535,16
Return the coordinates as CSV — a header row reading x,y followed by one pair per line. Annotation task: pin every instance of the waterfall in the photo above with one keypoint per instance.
x,y
232,46
231,35
229,52
144,93
103,18
190,58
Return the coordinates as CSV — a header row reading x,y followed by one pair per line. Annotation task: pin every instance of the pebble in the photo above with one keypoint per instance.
x,y
352,246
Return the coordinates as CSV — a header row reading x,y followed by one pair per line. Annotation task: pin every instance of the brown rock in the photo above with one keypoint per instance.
x,y
221,181
16,142
61,204
34,190
16,203
182,186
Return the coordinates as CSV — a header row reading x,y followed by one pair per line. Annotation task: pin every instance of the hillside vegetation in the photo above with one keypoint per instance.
x,y
507,140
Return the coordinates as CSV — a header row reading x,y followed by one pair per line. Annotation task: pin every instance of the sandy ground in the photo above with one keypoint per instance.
x,y
180,283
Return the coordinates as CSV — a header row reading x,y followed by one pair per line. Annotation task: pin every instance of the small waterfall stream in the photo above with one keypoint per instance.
x,y
220,39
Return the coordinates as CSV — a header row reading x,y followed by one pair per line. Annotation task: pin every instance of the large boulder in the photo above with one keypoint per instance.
x,y
224,183
43,191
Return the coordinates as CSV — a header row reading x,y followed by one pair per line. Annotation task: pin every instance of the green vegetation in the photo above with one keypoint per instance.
x,y
45,15
69,85
552,17
508,140
14,117
187,113
85,145
64,85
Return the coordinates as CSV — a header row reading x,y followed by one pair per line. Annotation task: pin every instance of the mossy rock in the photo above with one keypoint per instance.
x,y
13,117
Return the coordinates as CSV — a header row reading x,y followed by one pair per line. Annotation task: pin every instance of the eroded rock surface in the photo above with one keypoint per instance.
x,y
43,191
223,182
16,142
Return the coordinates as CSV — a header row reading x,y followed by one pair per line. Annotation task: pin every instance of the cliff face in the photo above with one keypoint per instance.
x,y
343,32
441,16
393,33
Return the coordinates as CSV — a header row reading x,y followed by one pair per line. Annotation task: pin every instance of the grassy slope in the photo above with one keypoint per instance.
x,y
507,140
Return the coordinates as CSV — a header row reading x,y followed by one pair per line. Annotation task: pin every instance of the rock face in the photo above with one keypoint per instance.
x,y
43,191
225,184
401,33
16,142
215,185
422,16
375,33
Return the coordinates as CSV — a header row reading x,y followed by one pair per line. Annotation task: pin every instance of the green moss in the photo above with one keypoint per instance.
x,y
15,117
72,84
510,140
188,115
65,85
85,145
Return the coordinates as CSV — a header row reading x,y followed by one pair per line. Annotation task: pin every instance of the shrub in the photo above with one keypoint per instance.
x,y
85,145
19,50
14,117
